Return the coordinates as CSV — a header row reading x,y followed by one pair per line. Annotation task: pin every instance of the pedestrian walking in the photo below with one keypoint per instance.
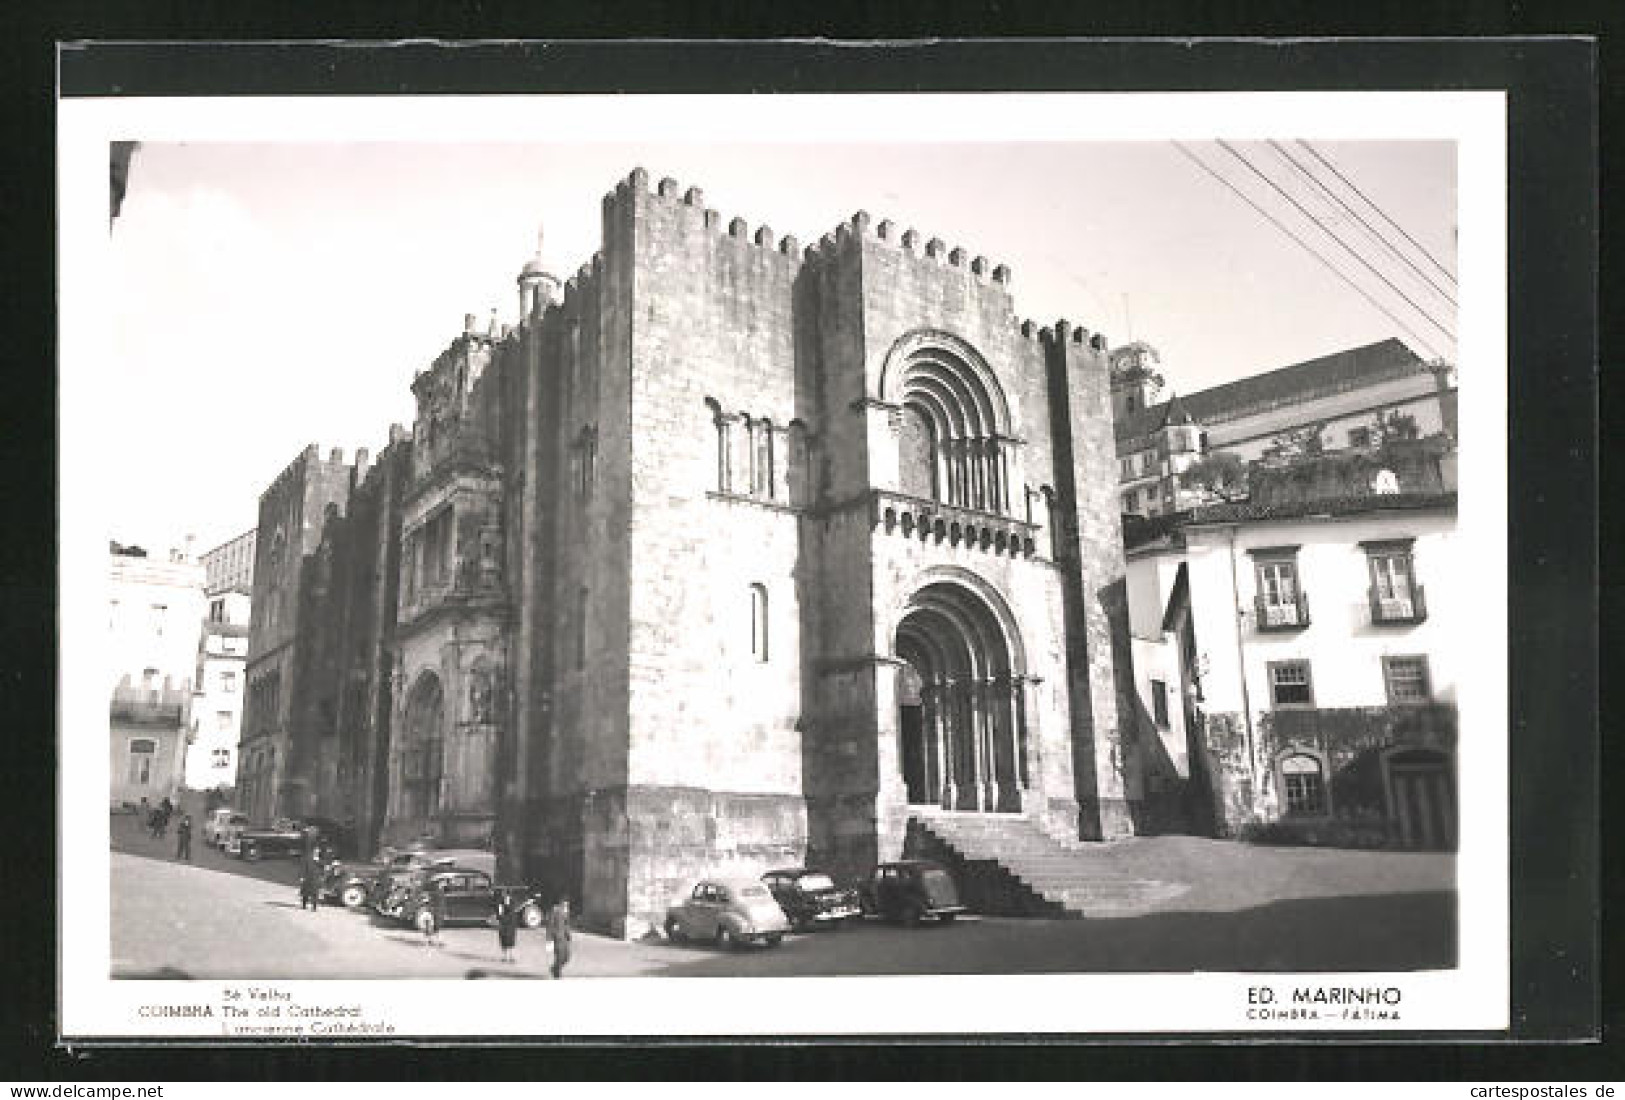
x,y
507,924
558,934
433,915
310,884
183,838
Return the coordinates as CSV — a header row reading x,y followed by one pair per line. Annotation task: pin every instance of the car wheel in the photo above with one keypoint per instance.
x,y
726,937
773,938
947,918
251,854
531,916
353,897
674,930
911,914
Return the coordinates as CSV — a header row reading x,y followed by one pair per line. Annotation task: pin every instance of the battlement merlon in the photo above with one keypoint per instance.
x,y
634,196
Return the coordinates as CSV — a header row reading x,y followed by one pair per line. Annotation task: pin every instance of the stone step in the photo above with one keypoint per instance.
x,y
1070,877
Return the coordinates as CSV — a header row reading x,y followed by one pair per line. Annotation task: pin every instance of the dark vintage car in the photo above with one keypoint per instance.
x,y
396,883
469,897
911,889
287,837
284,837
811,899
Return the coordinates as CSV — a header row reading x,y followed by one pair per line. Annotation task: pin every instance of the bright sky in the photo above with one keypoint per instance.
x,y
273,295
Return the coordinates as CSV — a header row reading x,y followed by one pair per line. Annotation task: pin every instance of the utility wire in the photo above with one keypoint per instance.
x,y
1344,245
1316,253
1309,175
1351,186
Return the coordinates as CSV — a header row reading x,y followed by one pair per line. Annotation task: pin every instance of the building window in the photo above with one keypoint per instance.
x,y
221,758
1128,502
222,721
1127,466
1159,703
217,611
228,681
142,752
1406,679
758,622
438,551
1290,685
1395,595
149,679
581,628
1280,601
159,613
1305,785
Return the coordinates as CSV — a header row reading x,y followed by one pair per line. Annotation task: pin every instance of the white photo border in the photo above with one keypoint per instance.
x,y
1473,997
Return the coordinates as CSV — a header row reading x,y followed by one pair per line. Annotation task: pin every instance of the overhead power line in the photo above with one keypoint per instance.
x,y
1308,174
1419,246
1316,253
1344,245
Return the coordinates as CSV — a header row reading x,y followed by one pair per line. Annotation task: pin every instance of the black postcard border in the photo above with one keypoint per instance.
x,y
1554,146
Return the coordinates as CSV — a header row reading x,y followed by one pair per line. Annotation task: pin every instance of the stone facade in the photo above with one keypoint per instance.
x,y
730,555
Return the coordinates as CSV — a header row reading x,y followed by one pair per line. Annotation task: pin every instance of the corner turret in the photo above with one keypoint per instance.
x,y
538,288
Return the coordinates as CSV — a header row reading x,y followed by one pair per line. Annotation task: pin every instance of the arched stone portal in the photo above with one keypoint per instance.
x,y
962,724
422,753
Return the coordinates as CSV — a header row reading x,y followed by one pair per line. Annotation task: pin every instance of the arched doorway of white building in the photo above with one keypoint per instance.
x,y
962,727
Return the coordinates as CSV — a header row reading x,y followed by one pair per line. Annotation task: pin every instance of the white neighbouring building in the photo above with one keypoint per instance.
x,y
217,702
1339,398
154,609
1295,657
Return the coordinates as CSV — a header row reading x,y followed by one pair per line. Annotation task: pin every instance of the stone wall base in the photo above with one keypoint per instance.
x,y
624,855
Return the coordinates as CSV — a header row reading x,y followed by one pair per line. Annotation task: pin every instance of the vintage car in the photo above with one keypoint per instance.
x,y
728,912
469,897
285,837
911,889
811,899
393,887
223,824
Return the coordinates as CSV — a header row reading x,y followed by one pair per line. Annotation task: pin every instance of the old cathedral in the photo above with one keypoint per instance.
x,y
732,554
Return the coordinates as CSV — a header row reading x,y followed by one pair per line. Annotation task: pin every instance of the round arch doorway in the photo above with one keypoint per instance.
x,y
422,753
962,718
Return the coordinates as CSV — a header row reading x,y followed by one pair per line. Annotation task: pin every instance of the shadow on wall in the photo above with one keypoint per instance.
x,y
1155,791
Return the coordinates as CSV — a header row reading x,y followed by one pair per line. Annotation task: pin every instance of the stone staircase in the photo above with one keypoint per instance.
x,y
1006,866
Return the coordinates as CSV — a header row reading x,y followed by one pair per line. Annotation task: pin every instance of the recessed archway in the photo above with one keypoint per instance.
x,y
962,720
422,754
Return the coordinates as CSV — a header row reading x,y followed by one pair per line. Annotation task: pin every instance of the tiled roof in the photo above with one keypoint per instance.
x,y
1143,531
1341,370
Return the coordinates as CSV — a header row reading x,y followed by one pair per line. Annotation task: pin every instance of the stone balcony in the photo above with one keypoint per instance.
x,y
936,522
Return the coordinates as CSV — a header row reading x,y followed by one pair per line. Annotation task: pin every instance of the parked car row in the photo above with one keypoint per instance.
x,y
735,911
402,884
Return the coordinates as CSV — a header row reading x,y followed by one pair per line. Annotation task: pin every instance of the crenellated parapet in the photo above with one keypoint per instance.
x,y
671,195
1063,332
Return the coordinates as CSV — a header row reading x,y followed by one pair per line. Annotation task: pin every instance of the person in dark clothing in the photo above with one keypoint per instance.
x,y
310,884
507,924
434,918
183,838
558,934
